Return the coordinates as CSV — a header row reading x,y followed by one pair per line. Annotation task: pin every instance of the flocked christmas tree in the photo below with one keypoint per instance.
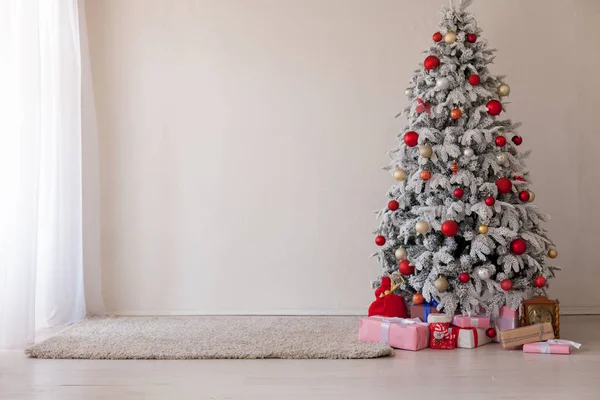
x,y
460,225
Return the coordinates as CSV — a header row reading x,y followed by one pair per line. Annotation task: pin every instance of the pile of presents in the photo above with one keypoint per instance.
x,y
535,327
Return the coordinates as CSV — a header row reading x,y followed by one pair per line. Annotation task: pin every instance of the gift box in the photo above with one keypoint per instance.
x,y
526,334
401,333
555,346
469,338
471,322
506,320
441,336
422,311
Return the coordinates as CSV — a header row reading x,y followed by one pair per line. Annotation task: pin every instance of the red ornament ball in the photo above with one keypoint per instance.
x,y
494,107
464,277
474,80
437,37
425,175
500,141
506,285
490,201
517,140
524,196
504,185
393,205
379,240
518,246
450,228
411,138
431,62
405,268
459,193
471,38
539,281
491,333
418,299
455,114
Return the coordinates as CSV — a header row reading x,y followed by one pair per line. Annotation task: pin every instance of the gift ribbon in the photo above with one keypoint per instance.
x,y
384,330
427,308
544,347
423,107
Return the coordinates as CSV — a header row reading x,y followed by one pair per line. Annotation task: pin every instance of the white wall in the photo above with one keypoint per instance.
x,y
242,140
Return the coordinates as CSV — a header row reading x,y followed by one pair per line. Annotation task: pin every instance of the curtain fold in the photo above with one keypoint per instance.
x,y
49,268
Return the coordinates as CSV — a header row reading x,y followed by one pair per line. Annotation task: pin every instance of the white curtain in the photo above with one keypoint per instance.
x,y
49,202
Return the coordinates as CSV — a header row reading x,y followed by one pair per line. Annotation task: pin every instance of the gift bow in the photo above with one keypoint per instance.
x,y
544,347
384,332
423,107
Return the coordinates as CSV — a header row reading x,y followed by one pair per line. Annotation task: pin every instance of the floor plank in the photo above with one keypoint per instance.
x,y
484,373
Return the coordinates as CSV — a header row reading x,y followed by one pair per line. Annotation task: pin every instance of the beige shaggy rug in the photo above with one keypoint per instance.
x,y
196,337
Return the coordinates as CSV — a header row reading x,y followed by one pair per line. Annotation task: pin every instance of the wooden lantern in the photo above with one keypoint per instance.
x,y
540,309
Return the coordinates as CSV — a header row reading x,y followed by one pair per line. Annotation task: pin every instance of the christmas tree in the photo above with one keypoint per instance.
x,y
460,225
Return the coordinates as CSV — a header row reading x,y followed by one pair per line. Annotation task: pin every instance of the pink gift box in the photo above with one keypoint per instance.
x,y
401,333
507,319
471,322
555,346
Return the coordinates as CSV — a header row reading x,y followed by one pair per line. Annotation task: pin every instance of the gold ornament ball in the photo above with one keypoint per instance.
x,y
450,37
441,284
400,253
531,196
552,253
422,227
504,90
399,174
425,151
483,229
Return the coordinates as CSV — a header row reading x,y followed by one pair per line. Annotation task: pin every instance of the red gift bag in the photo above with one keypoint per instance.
x,y
386,303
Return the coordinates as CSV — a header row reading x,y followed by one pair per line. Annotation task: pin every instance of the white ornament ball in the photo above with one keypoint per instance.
x,y
442,83
441,284
483,274
422,227
504,90
425,151
501,158
468,152
399,174
450,37
400,253
408,92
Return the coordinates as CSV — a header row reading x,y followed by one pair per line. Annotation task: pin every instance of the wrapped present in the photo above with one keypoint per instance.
x,y
554,346
507,319
441,335
469,338
422,311
471,322
401,333
526,334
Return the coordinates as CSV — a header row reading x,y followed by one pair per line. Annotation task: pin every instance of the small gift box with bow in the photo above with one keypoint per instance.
x,y
507,319
441,336
526,334
554,346
422,311
471,322
400,333
469,338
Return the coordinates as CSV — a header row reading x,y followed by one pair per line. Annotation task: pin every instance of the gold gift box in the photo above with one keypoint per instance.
x,y
526,334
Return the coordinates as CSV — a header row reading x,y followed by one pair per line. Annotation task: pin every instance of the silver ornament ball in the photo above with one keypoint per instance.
x,y
408,92
483,274
442,83
501,158
468,152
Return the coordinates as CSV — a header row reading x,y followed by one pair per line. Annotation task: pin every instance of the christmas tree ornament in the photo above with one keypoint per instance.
x,y
411,138
506,285
503,90
490,201
539,281
474,80
399,174
494,107
517,140
500,141
468,152
400,253
379,240
504,185
441,284
519,178
471,38
455,114
552,253
484,274
405,268
483,229
531,196
425,151
501,157
464,277
524,196
393,205
450,228
431,62
459,193
386,303
422,227
437,37
418,299
454,167
450,37
425,175
518,246
408,92
490,332
423,107
442,83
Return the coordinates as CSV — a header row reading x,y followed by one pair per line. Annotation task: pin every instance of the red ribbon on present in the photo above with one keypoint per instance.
x,y
423,107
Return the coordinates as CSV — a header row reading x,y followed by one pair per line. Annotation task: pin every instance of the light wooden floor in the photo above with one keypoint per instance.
x,y
484,373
